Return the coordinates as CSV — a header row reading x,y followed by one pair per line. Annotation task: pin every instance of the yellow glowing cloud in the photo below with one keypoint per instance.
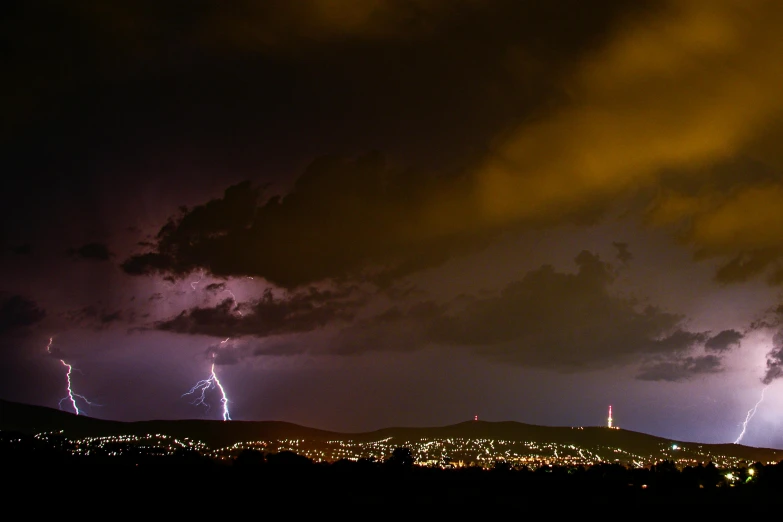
x,y
752,219
682,88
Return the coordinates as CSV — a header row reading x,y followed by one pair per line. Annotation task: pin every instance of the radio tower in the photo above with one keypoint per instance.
x,y
609,420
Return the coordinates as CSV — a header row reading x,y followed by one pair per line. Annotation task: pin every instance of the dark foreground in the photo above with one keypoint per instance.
x,y
139,481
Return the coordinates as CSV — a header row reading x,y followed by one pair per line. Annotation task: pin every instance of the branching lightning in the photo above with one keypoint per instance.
x,y
72,395
210,383
751,413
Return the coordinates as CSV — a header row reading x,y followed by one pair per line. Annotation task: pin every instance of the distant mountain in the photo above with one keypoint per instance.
x,y
585,437
31,419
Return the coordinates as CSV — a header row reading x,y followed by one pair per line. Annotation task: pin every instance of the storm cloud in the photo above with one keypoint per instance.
x,y
566,321
724,341
19,317
96,317
680,369
298,312
659,94
344,219
548,319
668,92
97,251
18,312
774,360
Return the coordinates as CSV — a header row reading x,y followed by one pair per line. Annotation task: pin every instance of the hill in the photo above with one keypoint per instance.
x,y
31,419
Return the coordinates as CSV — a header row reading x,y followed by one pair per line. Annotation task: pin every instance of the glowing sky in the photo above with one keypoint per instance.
x,y
397,213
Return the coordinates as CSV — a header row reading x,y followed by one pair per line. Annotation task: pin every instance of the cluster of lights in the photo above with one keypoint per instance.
x,y
465,451
444,453
118,445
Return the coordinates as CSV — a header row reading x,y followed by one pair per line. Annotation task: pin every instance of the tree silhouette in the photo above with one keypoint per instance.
x,y
501,466
288,461
401,458
249,459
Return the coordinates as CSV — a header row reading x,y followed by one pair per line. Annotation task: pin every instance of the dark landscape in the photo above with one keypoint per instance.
x,y
109,457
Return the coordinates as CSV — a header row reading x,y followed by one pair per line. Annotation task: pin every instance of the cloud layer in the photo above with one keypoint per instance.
x,y
344,219
656,106
682,90
298,312
548,319
18,312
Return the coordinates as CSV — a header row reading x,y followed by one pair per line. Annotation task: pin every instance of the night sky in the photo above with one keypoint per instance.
x,y
373,213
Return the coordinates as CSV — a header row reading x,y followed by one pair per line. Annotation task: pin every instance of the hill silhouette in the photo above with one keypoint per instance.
x,y
32,419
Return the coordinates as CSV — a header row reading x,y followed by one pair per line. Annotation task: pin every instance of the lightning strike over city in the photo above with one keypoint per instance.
x,y
556,213
750,414
212,382
72,395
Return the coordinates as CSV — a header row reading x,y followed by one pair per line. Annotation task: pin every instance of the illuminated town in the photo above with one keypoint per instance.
x,y
444,453
461,452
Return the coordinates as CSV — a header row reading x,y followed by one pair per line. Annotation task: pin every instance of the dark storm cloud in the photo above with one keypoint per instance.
x,y
225,353
17,312
774,360
192,239
285,61
734,219
772,321
566,321
556,108
747,265
18,318
227,358
724,341
548,319
344,219
215,288
630,109
303,311
681,340
94,317
435,82
395,329
97,251
680,369
676,93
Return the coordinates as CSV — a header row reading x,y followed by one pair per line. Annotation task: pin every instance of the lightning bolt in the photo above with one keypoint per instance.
x,y
193,284
72,395
223,398
751,413
208,384
236,303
